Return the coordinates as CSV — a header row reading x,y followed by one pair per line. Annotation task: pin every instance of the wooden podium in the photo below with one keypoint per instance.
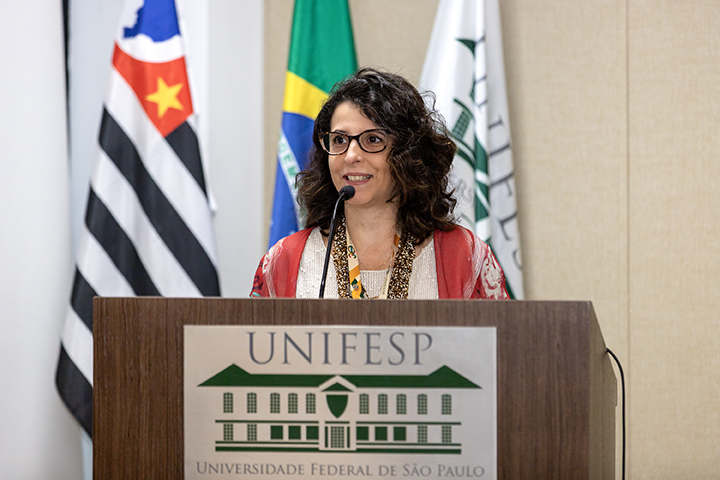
x,y
556,387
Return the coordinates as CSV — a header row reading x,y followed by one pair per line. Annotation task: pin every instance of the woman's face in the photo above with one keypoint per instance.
x,y
369,173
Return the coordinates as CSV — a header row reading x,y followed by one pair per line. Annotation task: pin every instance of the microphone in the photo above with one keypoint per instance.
x,y
345,193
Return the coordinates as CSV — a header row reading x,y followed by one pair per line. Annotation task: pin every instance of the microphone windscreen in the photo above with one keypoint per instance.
x,y
347,192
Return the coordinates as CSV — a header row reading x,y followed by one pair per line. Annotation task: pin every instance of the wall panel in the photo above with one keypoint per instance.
x,y
674,247
566,69
566,74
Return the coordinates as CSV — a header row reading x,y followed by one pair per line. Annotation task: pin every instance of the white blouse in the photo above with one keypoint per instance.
x,y
423,280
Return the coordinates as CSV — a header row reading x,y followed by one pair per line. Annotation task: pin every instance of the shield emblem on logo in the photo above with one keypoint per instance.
x,y
337,404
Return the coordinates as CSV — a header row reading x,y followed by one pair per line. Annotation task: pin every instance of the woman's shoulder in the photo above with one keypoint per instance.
x,y
277,273
288,249
459,236
466,267
294,240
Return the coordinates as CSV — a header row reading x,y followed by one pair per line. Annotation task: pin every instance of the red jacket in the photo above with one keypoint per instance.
x,y
466,268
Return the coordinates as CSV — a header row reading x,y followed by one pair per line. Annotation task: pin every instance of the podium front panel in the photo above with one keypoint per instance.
x,y
555,384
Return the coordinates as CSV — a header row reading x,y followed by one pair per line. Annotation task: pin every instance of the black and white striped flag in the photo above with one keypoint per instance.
x,y
148,224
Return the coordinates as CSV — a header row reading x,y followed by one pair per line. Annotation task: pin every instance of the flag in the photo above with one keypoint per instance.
x,y
148,223
464,67
322,52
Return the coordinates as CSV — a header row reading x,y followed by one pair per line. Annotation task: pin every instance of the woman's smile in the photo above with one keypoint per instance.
x,y
357,178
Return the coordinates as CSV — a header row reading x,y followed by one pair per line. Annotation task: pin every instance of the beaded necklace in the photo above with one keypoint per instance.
x,y
397,277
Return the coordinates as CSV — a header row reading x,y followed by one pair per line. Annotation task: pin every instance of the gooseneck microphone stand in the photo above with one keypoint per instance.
x,y
345,193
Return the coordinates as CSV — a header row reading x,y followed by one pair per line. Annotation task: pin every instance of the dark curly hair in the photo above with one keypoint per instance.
x,y
420,158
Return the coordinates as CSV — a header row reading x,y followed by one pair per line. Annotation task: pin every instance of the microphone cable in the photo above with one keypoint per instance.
x,y
622,384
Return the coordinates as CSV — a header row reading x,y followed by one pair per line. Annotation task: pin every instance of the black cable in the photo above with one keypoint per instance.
x,y
622,383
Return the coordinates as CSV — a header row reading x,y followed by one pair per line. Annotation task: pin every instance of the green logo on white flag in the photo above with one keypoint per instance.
x,y
464,69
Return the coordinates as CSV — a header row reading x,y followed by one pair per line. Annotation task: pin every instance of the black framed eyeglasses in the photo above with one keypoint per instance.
x,y
371,141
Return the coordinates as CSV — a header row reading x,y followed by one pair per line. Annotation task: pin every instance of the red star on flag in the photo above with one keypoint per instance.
x,y
161,88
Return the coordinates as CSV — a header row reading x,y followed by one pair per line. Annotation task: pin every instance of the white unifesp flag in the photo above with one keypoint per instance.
x,y
464,67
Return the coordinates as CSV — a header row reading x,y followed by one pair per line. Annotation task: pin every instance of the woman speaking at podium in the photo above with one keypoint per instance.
x,y
388,154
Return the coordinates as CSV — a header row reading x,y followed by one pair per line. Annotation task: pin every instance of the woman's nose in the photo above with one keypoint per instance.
x,y
354,152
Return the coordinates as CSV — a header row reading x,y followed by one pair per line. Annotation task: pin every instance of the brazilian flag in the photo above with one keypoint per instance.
x,y
322,52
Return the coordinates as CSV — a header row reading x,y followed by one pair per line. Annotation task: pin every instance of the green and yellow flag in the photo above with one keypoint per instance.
x,y
322,52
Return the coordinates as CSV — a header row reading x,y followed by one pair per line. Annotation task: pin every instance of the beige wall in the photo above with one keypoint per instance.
x,y
615,110
674,237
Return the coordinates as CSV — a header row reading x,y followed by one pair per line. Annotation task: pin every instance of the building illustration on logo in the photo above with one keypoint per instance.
x,y
402,414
